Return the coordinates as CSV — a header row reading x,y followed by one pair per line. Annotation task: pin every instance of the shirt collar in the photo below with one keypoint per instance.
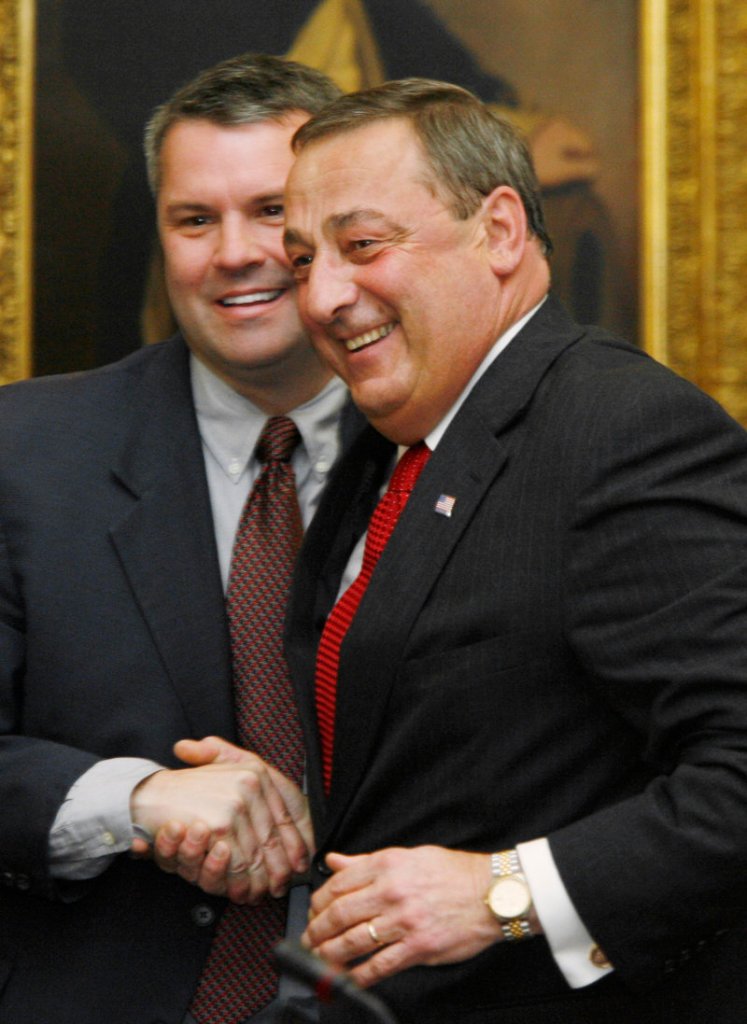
x,y
502,343
230,424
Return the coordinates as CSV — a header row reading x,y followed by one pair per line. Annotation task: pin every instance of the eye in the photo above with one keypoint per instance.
x,y
273,211
361,250
300,265
197,220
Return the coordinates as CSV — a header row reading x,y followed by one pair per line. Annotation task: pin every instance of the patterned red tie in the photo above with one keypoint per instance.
x,y
380,528
240,977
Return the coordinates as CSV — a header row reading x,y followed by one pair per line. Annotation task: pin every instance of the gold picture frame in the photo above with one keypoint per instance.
x,y
16,186
693,93
694,192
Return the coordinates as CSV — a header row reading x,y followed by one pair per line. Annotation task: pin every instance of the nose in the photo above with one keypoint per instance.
x,y
328,290
238,246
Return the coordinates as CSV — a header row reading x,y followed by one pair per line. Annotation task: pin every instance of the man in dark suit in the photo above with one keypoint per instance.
x,y
121,492
529,779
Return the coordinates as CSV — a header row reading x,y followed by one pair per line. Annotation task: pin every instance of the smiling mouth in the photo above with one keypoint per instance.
x,y
251,299
369,337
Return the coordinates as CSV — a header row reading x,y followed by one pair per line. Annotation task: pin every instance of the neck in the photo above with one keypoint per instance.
x,y
277,390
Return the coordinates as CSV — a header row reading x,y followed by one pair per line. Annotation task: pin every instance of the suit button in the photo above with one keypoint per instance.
x,y
8,878
321,866
23,882
203,915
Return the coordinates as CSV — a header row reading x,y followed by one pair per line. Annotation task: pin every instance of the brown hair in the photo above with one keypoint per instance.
x,y
247,89
470,150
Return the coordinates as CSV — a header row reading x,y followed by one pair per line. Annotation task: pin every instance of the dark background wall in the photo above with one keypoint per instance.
x,y
102,67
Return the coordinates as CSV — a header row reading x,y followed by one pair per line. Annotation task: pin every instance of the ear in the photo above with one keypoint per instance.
x,y
505,223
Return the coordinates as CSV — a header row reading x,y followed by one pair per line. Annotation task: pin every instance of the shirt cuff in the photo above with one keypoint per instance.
x,y
93,824
578,957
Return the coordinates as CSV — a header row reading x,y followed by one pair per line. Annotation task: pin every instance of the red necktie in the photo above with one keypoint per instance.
x,y
240,977
380,528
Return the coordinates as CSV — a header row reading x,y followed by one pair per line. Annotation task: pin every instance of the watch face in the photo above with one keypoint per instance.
x,y
509,898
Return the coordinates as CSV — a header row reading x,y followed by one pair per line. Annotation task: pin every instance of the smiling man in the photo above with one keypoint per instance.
x,y
150,514
527,716
220,219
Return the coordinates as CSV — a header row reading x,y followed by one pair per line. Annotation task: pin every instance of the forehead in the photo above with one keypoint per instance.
x,y
367,168
196,146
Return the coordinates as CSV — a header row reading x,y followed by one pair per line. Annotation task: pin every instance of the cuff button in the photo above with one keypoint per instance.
x,y
598,958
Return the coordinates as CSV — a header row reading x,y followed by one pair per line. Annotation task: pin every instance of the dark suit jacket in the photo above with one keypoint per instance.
x,y
565,656
113,641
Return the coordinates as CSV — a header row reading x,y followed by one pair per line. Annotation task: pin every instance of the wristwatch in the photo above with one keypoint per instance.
x,y
509,897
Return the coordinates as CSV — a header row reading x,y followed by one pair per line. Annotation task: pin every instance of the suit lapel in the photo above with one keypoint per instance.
x,y
341,519
166,542
467,463
409,567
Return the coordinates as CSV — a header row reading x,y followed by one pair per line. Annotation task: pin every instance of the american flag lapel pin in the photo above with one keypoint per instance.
x,y
445,505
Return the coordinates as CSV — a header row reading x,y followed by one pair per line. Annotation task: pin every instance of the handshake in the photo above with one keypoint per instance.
x,y
229,822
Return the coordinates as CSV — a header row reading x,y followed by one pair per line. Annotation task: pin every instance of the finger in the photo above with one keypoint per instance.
x,y
213,750
166,845
192,851
289,802
341,929
349,875
389,960
276,865
198,752
246,845
219,878
140,849
294,852
362,940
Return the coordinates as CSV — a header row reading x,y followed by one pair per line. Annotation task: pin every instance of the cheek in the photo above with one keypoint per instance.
x,y
274,248
185,267
325,348
302,303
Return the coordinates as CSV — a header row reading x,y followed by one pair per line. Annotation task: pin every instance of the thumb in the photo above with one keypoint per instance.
x,y
210,750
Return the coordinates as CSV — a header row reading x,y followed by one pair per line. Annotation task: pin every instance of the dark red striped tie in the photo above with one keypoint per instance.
x,y
240,977
380,528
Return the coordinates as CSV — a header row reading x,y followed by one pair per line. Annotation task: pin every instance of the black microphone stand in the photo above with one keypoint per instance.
x,y
329,984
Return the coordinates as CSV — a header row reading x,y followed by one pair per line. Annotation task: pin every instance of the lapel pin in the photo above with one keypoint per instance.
x,y
445,505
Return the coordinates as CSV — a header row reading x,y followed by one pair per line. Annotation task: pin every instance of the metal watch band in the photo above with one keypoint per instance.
x,y
505,863
502,864
517,929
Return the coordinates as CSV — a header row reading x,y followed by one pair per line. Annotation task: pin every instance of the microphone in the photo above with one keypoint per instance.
x,y
328,983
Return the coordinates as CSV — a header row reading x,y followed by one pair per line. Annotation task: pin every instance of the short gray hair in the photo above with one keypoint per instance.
x,y
248,89
469,149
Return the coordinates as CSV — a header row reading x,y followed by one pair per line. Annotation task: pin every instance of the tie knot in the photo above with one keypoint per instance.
x,y
408,468
278,440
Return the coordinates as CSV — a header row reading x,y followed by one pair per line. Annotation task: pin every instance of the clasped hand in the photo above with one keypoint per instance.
x,y
230,823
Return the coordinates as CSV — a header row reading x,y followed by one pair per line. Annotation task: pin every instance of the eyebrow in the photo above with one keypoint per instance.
x,y
341,221
186,206
193,206
347,220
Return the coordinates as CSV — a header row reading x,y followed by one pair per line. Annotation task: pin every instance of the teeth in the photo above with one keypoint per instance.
x,y
353,344
248,300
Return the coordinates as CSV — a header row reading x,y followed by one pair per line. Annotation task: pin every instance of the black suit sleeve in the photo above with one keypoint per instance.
x,y
36,773
656,607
